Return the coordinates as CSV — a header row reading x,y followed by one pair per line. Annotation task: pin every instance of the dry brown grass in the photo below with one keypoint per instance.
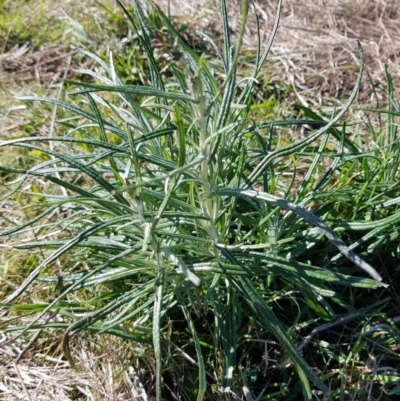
x,y
315,48
104,371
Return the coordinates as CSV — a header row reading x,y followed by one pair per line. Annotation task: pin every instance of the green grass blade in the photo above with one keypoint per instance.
x,y
67,246
312,219
258,171
131,89
200,360
157,328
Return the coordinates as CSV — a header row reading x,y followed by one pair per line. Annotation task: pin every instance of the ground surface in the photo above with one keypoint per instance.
x,y
314,54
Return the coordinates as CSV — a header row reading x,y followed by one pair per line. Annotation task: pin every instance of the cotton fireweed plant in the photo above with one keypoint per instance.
x,y
168,206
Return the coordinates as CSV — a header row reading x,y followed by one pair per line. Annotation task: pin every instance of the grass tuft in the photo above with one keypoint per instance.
x,y
164,214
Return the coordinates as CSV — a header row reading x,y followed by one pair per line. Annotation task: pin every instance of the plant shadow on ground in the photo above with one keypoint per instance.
x,y
168,216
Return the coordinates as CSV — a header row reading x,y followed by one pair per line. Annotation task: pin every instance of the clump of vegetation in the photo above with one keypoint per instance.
x,y
167,216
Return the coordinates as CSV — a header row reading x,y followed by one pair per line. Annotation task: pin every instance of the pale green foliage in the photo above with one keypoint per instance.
x,y
161,206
